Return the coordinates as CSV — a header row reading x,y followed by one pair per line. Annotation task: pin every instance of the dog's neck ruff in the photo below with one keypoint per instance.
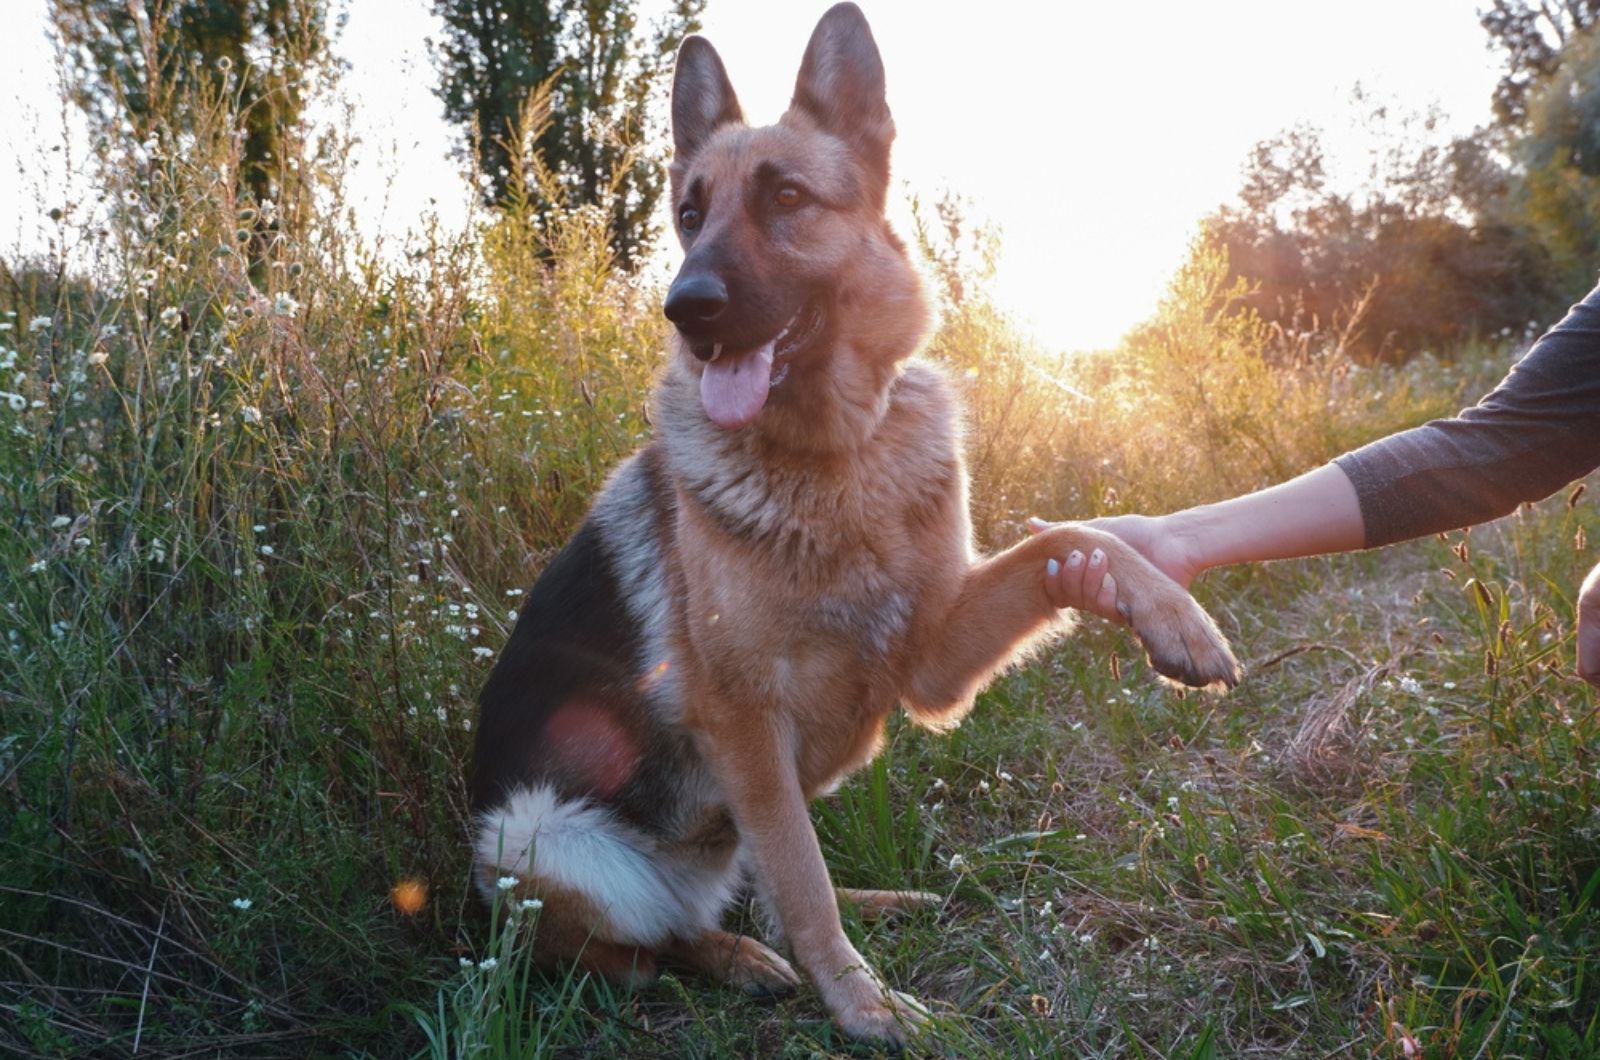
x,y
734,476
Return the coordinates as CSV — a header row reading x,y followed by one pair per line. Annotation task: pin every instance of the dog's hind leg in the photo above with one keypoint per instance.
x,y
564,933
873,905
607,901
737,960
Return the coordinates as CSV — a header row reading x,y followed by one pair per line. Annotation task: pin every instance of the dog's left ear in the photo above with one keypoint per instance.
x,y
841,85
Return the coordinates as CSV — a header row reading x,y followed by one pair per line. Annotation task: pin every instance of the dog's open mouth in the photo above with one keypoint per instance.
x,y
735,384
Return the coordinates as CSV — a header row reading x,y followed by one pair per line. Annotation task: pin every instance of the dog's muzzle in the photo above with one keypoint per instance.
x,y
693,301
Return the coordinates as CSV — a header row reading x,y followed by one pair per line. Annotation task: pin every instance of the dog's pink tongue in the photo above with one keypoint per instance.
x,y
734,387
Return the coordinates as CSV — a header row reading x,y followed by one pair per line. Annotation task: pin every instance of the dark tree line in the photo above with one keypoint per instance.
x,y
129,60
604,71
1443,241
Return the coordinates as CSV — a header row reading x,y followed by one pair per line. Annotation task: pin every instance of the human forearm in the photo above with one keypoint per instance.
x,y
1311,515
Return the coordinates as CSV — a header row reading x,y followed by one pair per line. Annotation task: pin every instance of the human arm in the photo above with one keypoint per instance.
x,y
1306,516
1534,433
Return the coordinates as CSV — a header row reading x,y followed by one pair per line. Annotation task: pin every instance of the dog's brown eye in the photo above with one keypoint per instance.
x,y
789,196
689,218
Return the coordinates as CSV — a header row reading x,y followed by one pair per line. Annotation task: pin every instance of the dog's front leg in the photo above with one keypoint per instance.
x,y
755,766
1002,603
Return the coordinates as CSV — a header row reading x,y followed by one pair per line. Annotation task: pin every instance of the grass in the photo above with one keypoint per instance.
x,y
271,499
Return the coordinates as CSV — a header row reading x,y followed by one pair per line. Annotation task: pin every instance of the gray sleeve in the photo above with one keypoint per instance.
x,y
1534,433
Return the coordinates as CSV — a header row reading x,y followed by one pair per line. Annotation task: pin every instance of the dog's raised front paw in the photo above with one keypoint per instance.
x,y
1184,643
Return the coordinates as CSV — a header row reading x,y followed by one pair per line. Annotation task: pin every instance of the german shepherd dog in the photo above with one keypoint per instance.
x,y
785,563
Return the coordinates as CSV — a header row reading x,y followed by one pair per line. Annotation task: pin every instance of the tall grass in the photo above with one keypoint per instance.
x,y
272,498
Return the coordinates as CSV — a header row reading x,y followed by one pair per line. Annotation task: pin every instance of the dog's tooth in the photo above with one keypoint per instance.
x,y
716,350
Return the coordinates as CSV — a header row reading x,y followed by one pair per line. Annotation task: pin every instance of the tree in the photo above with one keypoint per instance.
x,y
1428,246
132,60
1532,36
1559,155
605,74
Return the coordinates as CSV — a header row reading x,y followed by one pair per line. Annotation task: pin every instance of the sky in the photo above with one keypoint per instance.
x,y
1093,136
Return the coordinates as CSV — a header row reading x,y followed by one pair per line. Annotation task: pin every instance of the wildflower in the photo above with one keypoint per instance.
x,y
171,315
505,883
957,862
466,962
250,414
39,324
1410,686
488,964
16,401
267,550
511,616
242,903
483,653
285,306
530,905
59,521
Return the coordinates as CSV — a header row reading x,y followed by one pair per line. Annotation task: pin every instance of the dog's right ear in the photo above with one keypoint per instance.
x,y
702,97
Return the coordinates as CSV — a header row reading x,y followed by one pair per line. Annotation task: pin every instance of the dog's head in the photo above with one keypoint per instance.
x,y
788,259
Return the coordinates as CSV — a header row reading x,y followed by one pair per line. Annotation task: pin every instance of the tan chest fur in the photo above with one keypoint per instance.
x,y
805,577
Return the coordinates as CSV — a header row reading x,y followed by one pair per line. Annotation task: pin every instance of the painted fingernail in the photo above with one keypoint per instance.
x,y
1096,558
1074,560
1052,568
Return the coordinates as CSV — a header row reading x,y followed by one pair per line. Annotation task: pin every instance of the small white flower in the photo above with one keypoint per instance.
x,y
16,401
957,862
285,306
250,414
481,652
242,903
530,905
267,550
171,315
1410,686
511,615
466,962
59,521
39,324
505,883
488,964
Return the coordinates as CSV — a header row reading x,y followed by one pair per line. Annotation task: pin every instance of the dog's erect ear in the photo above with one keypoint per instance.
x,y
841,85
702,96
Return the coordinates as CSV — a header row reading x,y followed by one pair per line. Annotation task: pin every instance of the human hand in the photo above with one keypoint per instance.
x,y
1589,628
1085,583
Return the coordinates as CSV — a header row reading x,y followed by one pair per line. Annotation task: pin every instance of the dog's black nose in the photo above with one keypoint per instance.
x,y
696,298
